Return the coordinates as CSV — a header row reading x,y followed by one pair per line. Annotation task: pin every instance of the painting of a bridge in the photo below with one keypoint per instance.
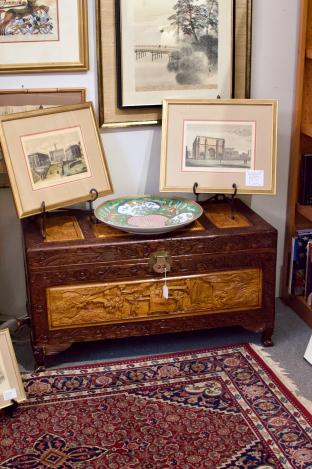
x,y
53,157
225,146
172,45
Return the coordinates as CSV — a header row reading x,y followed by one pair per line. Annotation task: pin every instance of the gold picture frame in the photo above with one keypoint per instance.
x,y
21,100
54,156
110,114
53,39
218,143
11,385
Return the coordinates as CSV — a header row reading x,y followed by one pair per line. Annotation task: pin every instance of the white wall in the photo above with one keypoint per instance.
x,y
133,154
275,25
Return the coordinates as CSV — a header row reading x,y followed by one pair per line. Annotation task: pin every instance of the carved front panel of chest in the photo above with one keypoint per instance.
x,y
118,302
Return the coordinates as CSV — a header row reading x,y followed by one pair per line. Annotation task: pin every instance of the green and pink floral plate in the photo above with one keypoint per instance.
x,y
147,214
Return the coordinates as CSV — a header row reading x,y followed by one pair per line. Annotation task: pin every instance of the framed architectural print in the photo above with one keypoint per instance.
x,y
173,49
21,100
53,156
11,386
218,143
169,55
43,36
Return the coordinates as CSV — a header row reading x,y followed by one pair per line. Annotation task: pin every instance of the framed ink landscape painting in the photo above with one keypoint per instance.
x,y
53,156
218,143
43,35
111,114
174,48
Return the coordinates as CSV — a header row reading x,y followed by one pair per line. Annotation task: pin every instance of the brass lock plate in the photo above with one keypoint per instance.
x,y
160,262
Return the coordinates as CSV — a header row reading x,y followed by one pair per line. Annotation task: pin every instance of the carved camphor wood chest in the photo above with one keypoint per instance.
x,y
87,281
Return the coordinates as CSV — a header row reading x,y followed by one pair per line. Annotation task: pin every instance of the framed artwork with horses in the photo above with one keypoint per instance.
x,y
43,36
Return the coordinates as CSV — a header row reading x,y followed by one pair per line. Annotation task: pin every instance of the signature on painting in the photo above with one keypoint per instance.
x,y
24,18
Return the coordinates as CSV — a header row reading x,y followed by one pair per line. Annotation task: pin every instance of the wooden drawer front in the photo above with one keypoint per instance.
x,y
119,302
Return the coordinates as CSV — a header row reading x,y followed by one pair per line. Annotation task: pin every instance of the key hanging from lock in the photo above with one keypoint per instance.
x,y
165,287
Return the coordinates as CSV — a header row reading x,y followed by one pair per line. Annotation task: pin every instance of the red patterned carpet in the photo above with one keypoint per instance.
x,y
220,408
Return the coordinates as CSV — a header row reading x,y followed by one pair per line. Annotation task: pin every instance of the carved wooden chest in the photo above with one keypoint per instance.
x,y
87,281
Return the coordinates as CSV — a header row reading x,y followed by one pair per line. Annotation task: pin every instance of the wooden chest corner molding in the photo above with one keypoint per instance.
x,y
115,302
101,286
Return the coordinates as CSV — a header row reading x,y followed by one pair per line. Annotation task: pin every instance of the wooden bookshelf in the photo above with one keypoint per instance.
x,y
298,304
299,216
306,129
305,211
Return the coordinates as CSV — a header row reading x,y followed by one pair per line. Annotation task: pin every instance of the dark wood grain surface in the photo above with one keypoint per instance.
x,y
95,260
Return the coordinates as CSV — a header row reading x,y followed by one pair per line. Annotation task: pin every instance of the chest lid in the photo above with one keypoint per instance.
x,y
74,237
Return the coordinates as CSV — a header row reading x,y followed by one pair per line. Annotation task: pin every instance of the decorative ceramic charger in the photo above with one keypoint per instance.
x,y
147,214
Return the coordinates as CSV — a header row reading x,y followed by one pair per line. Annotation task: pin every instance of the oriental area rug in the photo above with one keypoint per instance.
x,y
209,409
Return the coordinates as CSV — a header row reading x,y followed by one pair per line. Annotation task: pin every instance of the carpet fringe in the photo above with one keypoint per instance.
x,y
282,374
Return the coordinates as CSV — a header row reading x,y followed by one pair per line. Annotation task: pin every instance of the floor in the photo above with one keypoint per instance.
x,y
290,341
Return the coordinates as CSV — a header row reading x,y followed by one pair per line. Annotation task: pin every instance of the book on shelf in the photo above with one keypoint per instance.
x,y
291,267
298,267
308,275
305,180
